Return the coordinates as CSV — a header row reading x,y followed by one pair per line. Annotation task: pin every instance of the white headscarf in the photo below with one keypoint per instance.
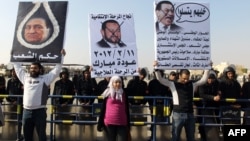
x,y
110,91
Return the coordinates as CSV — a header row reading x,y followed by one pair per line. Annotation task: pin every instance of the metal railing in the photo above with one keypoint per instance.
x,y
90,118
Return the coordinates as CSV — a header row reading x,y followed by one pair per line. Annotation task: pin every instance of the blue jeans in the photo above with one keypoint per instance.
x,y
185,120
34,119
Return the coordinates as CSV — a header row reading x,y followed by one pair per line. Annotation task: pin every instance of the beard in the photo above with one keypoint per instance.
x,y
34,74
113,39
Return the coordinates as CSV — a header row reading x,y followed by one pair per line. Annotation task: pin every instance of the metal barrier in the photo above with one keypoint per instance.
x,y
74,116
12,116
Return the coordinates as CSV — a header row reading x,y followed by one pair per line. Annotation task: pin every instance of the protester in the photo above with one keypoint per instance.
x,y
114,118
183,92
35,97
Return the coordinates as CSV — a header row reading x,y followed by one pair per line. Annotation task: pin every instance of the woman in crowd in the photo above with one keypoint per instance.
x,y
114,118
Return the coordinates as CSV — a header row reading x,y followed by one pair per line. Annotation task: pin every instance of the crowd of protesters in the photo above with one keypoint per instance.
x,y
212,92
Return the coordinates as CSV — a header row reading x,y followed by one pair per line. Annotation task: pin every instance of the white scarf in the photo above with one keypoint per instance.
x,y
110,91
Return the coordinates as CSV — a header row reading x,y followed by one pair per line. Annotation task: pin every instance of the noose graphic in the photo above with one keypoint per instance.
x,y
27,17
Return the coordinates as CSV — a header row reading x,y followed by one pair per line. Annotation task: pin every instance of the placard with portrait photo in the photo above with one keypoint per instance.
x,y
113,45
182,35
39,32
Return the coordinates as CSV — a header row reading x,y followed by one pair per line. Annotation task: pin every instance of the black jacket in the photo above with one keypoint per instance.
x,y
2,87
246,94
87,87
207,92
137,87
14,87
102,85
155,88
64,88
230,89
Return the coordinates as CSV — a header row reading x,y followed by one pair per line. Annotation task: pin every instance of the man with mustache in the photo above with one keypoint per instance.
x,y
165,13
111,35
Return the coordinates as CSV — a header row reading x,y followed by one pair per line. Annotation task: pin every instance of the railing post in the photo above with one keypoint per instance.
x,y
19,117
154,119
52,135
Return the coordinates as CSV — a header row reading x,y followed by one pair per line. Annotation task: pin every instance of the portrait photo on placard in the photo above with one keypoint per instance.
x,y
39,32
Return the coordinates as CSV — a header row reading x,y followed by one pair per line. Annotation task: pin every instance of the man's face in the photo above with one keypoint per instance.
x,y
172,77
210,80
230,75
112,33
183,78
13,73
64,76
86,74
166,14
34,71
141,77
36,31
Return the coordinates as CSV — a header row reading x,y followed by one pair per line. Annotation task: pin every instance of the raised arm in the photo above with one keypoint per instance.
x,y
51,76
203,79
159,77
20,71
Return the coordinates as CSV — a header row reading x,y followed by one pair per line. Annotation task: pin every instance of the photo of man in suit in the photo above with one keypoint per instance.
x,y
111,35
165,13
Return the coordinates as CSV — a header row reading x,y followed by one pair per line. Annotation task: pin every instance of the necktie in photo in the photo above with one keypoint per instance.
x,y
165,28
